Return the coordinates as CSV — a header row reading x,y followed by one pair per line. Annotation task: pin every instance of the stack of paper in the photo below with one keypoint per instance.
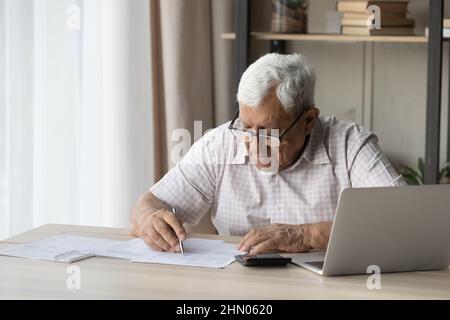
x,y
62,248
69,248
44,253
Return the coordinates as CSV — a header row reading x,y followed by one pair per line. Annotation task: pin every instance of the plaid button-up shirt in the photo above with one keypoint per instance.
x,y
215,176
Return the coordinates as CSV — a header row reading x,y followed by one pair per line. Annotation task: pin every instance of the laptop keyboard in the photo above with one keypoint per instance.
x,y
316,264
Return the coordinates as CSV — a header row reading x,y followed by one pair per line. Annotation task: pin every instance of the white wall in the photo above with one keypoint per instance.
x,y
380,85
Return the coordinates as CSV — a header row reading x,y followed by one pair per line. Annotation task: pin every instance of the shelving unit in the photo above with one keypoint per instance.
x,y
328,37
434,77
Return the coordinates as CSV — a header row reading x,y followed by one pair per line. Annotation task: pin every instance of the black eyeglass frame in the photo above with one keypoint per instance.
x,y
256,134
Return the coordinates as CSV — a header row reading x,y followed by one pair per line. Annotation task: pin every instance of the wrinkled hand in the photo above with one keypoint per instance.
x,y
277,237
287,238
161,230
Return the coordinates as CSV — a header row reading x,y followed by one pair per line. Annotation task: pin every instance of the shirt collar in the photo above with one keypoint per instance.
x,y
314,152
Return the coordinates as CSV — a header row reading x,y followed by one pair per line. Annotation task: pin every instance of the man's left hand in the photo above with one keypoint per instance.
x,y
287,238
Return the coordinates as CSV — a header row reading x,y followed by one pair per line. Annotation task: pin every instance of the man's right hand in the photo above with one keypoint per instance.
x,y
160,230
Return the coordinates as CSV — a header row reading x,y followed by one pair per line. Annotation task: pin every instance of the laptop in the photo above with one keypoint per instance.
x,y
395,229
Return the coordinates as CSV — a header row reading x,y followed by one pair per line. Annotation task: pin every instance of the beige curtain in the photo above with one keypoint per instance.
x,y
192,74
192,69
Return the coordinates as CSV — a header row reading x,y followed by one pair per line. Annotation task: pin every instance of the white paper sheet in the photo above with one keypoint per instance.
x,y
197,253
69,248
60,248
31,251
128,250
79,243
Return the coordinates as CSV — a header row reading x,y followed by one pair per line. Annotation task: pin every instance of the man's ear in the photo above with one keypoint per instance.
x,y
311,117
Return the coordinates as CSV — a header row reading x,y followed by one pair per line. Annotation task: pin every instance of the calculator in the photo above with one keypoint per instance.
x,y
263,259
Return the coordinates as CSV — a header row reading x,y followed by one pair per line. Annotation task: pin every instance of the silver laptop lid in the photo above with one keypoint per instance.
x,y
396,229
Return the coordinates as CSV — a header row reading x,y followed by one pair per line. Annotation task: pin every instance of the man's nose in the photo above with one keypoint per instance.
x,y
259,147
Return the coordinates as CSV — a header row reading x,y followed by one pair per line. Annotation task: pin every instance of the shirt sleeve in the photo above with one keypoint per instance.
x,y
370,167
189,186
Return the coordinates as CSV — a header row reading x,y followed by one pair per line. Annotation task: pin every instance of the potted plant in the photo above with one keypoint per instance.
x,y
415,177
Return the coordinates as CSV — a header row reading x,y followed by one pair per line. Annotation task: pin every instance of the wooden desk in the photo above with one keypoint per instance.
x,y
104,278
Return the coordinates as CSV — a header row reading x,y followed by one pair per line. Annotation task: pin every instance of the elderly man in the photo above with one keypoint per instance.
x,y
273,174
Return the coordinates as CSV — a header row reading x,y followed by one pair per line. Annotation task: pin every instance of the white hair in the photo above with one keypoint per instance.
x,y
292,76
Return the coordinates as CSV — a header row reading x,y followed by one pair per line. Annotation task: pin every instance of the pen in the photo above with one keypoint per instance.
x,y
174,211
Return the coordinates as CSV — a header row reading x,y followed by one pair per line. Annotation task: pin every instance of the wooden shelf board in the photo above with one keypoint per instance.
x,y
330,37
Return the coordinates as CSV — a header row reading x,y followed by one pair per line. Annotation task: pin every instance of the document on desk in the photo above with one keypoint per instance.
x,y
197,253
70,248
44,253
61,248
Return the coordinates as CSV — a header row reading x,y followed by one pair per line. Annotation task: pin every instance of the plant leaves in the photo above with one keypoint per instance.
x,y
411,179
409,172
421,166
444,171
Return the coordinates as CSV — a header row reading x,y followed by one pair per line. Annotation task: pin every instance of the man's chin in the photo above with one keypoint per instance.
x,y
266,167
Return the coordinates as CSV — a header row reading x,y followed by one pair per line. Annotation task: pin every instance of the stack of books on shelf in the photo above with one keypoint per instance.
x,y
445,29
356,19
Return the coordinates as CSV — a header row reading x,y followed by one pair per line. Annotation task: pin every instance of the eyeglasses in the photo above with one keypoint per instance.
x,y
273,138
